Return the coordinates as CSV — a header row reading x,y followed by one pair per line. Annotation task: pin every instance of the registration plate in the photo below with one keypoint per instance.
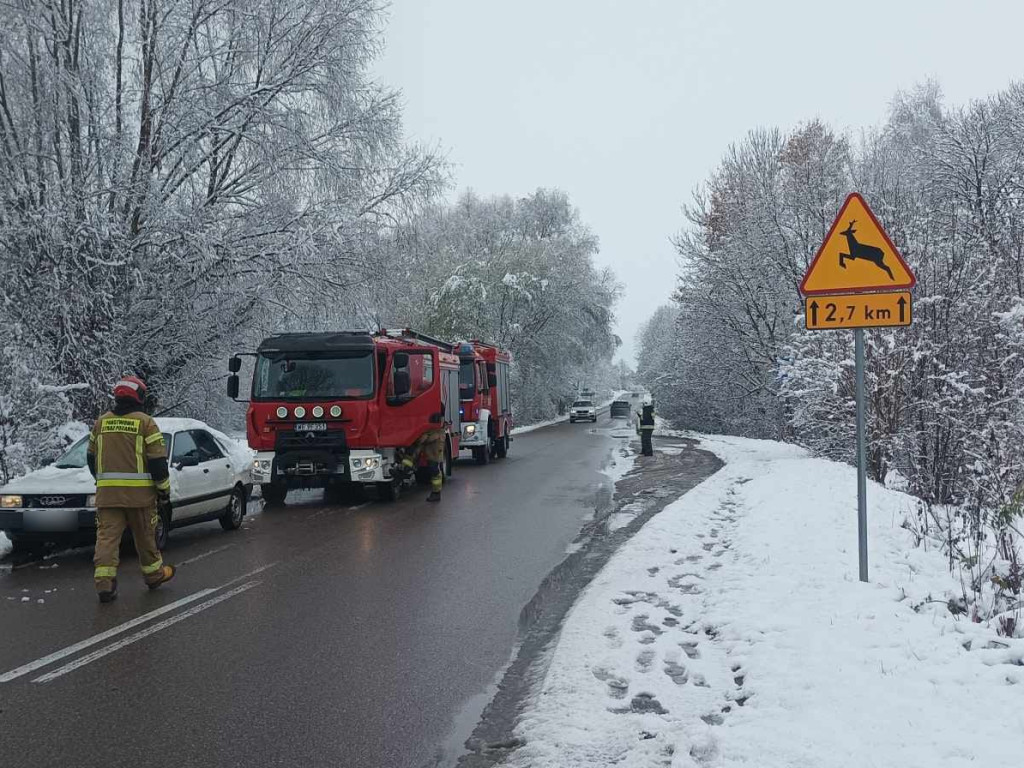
x,y
312,426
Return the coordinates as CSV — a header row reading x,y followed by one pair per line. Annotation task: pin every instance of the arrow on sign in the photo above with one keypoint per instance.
x,y
814,314
903,308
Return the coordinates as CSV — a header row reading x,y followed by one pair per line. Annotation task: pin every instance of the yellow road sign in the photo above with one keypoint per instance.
x,y
857,256
857,310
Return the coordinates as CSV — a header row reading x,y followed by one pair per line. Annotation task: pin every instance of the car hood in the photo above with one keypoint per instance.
x,y
53,479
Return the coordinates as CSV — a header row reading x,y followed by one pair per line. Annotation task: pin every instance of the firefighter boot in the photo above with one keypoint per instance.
x,y
162,576
109,595
436,481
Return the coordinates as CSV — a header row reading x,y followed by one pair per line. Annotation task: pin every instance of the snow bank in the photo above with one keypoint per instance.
x,y
732,631
5,544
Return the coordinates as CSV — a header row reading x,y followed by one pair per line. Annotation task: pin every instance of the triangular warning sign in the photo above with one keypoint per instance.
x,y
857,256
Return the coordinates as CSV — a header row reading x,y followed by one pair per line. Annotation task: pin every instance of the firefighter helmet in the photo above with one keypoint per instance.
x,y
130,388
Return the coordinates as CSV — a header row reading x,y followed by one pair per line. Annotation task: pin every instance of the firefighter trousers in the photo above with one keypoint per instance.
x,y
429,449
646,445
110,525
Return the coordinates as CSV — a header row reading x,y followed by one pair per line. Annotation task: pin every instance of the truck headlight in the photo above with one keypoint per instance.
x,y
470,430
9,502
261,466
90,500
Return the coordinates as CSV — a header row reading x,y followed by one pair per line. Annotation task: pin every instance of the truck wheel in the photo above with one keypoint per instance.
x,y
389,491
274,493
482,454
502,446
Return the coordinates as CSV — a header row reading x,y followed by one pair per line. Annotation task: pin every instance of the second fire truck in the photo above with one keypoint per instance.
x,y
486,400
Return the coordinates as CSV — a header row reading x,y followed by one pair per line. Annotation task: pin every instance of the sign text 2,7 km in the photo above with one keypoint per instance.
x,y
857,310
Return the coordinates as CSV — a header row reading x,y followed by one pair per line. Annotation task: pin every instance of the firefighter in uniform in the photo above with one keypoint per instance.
x,y
128,458
429,447
645,428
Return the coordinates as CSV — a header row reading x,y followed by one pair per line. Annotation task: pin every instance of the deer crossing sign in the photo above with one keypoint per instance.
x,y
856,256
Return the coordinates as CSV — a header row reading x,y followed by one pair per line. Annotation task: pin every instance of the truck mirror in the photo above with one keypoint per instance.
x,y
235,364
233,386
401,360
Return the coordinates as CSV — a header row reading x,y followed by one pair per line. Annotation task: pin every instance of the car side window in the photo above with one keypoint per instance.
x,y
185,448
208,448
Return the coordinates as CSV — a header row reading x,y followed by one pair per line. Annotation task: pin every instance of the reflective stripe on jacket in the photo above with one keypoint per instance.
x,y
122,445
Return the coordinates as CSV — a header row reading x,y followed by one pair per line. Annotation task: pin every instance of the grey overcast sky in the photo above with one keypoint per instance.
x,y
629,105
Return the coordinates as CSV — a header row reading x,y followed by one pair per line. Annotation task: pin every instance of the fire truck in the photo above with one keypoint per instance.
x,y
334,410
486,402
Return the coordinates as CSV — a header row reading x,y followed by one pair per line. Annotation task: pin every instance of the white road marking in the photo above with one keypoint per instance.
x,y
360,506
153,629
201,555
32,666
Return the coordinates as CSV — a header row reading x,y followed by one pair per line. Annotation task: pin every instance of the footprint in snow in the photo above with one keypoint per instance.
x,y
691,650
642,703
641,624
677,672
644,660
612,636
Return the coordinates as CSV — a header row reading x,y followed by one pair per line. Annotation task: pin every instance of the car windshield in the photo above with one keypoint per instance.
x,y
467,383
75,458
582,404
305,375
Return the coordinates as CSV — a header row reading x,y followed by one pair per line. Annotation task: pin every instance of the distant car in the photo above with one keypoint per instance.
x,y
620,409
582,410
210,480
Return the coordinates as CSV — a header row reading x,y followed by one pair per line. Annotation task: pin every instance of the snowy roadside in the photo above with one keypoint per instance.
x,y
732,630
5,544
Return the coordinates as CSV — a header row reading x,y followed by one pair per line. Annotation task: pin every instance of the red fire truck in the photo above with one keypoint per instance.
x,y
484,379
332,409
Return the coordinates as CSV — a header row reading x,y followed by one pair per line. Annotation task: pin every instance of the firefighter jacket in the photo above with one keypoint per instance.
x,y
128,458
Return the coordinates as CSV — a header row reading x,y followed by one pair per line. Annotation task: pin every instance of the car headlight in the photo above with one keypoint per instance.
x,y
9,502
90,500
470,429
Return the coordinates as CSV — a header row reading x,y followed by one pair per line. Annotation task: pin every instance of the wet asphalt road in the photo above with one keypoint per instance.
x,y
337,635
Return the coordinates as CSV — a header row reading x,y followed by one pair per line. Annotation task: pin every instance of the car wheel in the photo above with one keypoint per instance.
x,y
162,532
231,520
389,491
274,493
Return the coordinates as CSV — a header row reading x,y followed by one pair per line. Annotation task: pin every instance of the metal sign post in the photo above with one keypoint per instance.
x,y
858,280
862,457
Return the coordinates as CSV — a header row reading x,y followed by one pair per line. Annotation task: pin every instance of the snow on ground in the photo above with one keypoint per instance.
x,y
732,631
5,544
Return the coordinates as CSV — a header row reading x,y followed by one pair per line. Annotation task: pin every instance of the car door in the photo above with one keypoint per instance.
x,y
189,484
216,466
